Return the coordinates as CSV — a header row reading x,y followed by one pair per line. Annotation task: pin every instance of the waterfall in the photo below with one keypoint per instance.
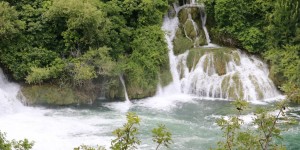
x,y
8,95
125,90
213,72
203,19
170,27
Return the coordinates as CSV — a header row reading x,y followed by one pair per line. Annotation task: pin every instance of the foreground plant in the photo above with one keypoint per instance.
x,y
162,136
14,145
266,129
127,135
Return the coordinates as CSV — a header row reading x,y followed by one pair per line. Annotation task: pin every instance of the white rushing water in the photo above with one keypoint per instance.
x,y
125,90
8,95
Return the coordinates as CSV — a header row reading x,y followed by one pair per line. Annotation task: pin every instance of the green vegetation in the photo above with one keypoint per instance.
x,y
263,133
14,145
266,27
162,136
74,43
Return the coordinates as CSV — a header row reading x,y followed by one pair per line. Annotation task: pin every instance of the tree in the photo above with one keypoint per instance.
x,y
81,24
9,22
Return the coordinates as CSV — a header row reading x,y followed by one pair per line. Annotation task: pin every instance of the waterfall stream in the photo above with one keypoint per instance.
x,y
125,90
210,71
9,100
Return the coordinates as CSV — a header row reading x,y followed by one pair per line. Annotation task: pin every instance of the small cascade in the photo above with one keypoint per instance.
x,y
170,26
125,90
210,71
8,95
203,19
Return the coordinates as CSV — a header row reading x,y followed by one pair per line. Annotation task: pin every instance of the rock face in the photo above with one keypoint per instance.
x,y
224,73
50,95
189,33
53,94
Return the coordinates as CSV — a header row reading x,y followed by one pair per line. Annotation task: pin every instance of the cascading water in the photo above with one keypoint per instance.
x,y
125,90
8,95
210,71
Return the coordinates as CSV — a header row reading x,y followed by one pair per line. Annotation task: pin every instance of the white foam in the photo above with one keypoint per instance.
x,y
119,106
165,102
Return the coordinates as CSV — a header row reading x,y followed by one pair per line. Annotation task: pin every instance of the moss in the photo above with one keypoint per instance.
x,y
135,91
259,92
236,57
195,13
225,84
183,15
171,12
205,64
221,55
238,85
165,77
202,38
181,43
233,86
49,94
193,58
196,16
277,77
115,89
190,29
220,61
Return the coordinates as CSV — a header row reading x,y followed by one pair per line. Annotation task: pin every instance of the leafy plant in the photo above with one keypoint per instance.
x,y
14,145
161,136
127,135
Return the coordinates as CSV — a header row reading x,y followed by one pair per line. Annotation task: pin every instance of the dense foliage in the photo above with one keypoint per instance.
x,y
73,42
270,28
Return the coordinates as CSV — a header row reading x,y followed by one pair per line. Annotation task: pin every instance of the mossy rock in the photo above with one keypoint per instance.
x,y
50,95
183,15
190,30
165,77
277,77
236,57
193,57
232,85
115,90
181,43
260,94
201,40
195,13
135,91
220,61
196,16
171,12
221,57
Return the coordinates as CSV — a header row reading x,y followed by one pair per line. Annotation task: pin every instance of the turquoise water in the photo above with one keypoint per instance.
x,y
191,121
